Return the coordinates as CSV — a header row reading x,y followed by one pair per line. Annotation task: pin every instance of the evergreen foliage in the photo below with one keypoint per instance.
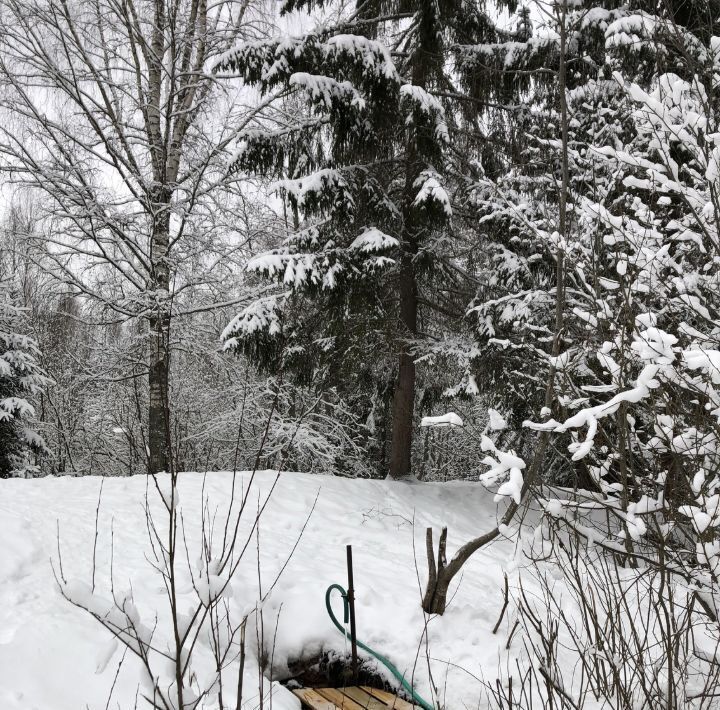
x,y
370,173
21,379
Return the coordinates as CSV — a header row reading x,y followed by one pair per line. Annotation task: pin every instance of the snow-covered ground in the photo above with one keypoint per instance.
x,y
50,651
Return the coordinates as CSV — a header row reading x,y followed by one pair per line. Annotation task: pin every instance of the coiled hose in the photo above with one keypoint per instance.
x,y
417,699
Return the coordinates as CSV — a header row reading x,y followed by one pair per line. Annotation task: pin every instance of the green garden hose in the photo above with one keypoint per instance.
x,y
346,616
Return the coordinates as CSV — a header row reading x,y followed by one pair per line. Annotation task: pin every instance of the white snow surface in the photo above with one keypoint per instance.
x,y
53,655
449,419
372,239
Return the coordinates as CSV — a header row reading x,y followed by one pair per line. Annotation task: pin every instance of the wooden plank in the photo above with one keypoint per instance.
x,y
342,701
312,699
368,701
392,701
352,698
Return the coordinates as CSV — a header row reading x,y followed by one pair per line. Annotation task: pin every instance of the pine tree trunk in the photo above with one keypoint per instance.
x,y
404,396
403,405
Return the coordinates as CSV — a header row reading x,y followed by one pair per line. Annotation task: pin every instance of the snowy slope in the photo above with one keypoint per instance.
x,y
50,651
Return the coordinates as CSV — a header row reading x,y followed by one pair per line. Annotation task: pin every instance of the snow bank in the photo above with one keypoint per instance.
x,y
53,655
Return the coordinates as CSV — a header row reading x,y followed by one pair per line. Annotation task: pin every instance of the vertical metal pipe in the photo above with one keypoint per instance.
x,y
351,604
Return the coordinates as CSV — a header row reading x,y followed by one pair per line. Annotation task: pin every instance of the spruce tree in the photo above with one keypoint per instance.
x,y
369,175
21,378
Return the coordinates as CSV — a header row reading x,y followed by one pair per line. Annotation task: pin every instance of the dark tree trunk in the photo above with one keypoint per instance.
x,y
159,365
413,227
158,445
435,598
404,395
441,572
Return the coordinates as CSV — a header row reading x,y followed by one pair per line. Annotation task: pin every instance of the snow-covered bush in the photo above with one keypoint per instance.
x,y
597,634
190,650
638,398
647,404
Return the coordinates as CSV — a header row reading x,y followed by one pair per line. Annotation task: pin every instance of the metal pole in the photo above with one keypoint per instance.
x,y
351,604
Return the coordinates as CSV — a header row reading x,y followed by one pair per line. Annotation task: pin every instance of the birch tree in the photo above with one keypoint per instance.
x,y
109,114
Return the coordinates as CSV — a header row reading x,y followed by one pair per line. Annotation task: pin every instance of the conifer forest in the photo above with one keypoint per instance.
x,y
431,282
